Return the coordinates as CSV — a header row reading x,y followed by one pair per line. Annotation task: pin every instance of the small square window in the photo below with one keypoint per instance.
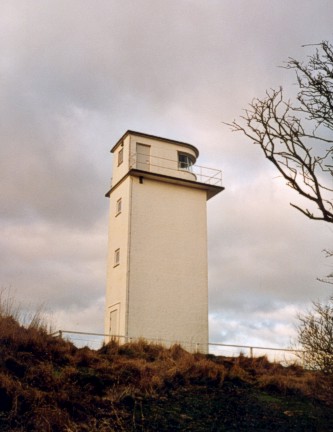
x,y
118,207
120,156
185,162
116,257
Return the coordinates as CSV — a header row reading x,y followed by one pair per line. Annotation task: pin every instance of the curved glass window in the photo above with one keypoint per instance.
x,y
185,161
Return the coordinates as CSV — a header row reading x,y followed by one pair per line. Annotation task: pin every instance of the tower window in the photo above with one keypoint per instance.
x,y
185,161
118,207
116,257
120,156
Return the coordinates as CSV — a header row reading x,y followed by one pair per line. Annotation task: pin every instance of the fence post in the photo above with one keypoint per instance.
x,y
251,352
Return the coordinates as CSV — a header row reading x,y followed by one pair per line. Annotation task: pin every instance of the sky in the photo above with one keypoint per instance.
x,y
76,74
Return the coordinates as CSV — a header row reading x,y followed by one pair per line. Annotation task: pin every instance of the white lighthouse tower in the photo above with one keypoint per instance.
x,y
157,283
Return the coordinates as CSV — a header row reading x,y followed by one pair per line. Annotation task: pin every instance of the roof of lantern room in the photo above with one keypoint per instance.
x,y
157,138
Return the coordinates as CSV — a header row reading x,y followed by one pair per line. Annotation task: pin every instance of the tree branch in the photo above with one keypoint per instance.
x,y
284,136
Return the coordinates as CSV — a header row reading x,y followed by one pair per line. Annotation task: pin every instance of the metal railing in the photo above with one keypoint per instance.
x,y
97,340
175,168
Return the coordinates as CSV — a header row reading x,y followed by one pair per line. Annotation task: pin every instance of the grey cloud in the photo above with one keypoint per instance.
x,y
262,251
60,267
44,162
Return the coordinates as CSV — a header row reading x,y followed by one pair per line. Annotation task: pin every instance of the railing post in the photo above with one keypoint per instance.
x,y
251,352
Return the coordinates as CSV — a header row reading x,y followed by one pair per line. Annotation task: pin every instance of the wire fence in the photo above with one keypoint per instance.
x,y
152,163
280,355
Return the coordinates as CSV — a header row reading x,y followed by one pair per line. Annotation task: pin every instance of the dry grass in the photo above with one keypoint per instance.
x,y
47,384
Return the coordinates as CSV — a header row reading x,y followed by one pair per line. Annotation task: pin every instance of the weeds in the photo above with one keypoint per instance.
x,y
48,384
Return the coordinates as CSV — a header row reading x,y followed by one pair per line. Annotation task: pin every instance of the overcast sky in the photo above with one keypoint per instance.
x,y
76,74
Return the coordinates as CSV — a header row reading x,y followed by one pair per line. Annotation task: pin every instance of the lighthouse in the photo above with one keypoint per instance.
x,y
157,270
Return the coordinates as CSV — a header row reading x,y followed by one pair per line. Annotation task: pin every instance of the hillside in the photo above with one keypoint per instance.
x,y
47,384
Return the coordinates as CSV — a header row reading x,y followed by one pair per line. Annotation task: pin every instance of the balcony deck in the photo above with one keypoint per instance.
x,y
174,168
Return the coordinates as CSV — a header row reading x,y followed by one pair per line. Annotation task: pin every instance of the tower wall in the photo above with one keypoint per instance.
x,y
117,274
168,259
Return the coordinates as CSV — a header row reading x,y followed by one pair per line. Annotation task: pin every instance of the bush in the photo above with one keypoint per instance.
x,y
315,334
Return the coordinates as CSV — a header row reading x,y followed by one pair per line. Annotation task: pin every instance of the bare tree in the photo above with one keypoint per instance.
x,y
297,138
329,277
315,334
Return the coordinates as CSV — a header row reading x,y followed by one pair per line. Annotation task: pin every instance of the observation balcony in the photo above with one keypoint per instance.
x,y
183,168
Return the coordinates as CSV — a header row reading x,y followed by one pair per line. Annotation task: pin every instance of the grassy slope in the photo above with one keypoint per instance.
x,y
47,384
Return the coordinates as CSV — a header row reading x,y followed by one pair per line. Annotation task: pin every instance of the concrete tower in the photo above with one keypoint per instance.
x,y
157,285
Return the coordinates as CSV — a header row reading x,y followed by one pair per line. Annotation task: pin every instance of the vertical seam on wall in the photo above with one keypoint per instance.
x,y
207,269
128,255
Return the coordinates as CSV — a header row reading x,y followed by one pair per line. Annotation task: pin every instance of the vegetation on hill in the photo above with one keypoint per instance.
x,y
48,384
